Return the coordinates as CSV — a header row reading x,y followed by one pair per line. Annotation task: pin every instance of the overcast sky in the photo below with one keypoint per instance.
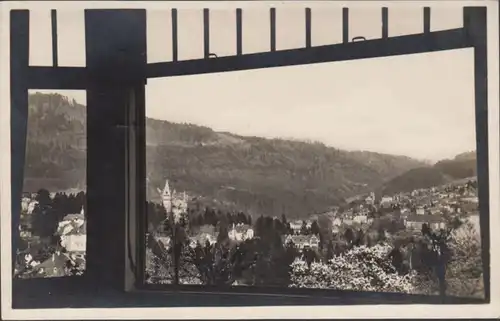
x,y
417,105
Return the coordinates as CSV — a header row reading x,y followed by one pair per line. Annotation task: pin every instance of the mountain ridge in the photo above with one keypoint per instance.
x,y
462,166
248,173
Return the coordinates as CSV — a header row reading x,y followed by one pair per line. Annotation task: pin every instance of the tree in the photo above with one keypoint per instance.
x,y
359,269
283,219
329,251
440,253
381,234
349,235
45,218
223,233
315,228
304,230
465,268
325,230
397,259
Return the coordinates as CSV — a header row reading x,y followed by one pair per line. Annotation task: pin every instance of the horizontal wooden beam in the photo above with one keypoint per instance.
x,y
394,46
76,77
57,78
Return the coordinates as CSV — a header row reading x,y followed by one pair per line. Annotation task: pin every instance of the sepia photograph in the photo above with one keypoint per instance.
x,y
176,154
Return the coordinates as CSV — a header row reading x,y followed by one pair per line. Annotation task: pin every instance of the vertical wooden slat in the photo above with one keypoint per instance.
x,y
345,25
273,28
55,59
385,22
175,42
308,27
206,33
427,19
239,32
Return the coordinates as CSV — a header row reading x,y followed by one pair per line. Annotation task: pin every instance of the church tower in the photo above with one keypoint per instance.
x,y
166,196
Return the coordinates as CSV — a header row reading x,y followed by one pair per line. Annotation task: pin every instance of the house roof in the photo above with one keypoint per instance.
x,y
203,237
78,230
297,239
72,229
59,262
72,217
425,219
242,228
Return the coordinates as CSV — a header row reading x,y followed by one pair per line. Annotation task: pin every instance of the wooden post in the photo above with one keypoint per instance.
x,y
19,62
116,64
475,29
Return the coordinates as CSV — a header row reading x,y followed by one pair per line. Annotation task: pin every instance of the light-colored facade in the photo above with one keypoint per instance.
x,y
74,242
241,232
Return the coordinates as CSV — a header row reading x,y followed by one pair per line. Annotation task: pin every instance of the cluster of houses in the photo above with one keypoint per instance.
x,y
237,233
413,209
72,230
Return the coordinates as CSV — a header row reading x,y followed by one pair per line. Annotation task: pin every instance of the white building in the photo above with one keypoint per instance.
x,y
73,232
202,239
360,219
31,206
241,232
302,241
420,211
74,242
25,202
386,201
296,226
337,221
415,222
370,199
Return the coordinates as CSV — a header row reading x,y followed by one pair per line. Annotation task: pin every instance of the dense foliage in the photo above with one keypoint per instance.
x,y
361,268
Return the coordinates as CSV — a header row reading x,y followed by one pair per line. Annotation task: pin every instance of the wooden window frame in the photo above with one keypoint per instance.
x,y
115,77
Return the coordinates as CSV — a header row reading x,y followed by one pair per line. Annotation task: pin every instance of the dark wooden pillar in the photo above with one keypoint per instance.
x,y
19,62
475,28
116,61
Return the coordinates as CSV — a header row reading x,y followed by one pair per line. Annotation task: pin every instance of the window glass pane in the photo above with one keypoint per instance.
x,y
53,218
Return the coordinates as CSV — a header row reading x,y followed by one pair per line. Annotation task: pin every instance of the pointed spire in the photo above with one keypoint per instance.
x,y
166,189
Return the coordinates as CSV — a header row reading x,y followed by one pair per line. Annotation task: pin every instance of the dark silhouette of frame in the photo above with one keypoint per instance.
x,y
115,77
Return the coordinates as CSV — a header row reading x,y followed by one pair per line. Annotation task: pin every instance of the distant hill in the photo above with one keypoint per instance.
x,y
55,147
462,166
257,175
252,174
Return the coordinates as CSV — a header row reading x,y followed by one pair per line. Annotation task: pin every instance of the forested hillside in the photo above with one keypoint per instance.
x,y
252,174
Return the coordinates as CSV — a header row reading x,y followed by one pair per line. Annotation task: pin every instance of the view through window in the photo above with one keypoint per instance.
x,y
53,205
356,175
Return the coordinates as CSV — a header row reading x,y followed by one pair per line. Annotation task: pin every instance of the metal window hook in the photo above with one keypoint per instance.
x,y
358,38
212,55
